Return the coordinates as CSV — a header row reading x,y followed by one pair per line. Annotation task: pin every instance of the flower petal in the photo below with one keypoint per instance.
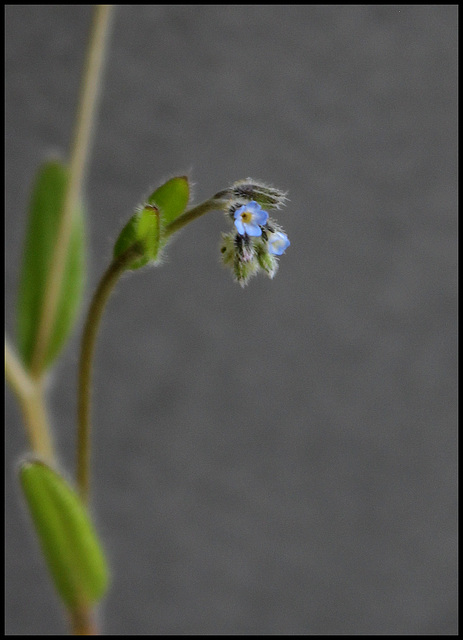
x,y
252,229
260,217
253,206
240,226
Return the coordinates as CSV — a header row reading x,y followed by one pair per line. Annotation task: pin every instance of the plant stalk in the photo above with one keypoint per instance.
x,y
78,160
92,324
91,327
192,214
30,394
83,622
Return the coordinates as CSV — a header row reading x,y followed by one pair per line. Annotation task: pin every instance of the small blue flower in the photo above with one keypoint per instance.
x,y
278,242
249,218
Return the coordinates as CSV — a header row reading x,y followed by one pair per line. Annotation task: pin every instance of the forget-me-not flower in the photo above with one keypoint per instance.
x,y
257,241
278,242
249,218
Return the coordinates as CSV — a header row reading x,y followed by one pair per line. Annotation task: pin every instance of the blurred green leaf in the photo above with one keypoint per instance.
x,y
44,221
68,540
171,198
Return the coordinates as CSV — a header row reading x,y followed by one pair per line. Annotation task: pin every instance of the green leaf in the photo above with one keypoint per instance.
x,y
142,227
171,199
43,226
67,538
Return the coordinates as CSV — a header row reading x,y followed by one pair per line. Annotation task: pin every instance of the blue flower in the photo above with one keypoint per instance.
x,y
278,242
249,218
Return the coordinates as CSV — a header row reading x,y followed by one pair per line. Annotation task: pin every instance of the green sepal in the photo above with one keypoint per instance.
x,y
66,534
267,261
146,226
171,198
143,226
45,215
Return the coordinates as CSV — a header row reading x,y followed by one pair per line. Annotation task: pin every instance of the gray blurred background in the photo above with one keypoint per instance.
x,y
279,459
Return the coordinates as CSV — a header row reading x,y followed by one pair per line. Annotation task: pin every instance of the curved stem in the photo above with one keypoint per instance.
x,y
109,279
80,151
92,323
192,214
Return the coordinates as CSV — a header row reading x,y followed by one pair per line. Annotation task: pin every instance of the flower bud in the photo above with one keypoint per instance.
x,y
244,270
266,260
278,242
266,196
239,254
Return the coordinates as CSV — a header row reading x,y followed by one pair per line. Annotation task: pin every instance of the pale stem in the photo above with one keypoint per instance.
x,y
30,391
80,151
31,399
83,622
15,373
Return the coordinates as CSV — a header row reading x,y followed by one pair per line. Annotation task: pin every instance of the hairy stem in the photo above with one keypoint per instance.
x,y
92,323
107,283
78,160
192,214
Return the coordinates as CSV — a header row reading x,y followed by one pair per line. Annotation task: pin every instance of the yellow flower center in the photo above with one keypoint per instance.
x,y
246,217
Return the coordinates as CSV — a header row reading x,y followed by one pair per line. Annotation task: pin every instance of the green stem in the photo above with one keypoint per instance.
x,y
78,160
107,283
92,323
192,214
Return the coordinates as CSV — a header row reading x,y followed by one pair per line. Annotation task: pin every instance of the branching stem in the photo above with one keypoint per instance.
x,y
30,394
